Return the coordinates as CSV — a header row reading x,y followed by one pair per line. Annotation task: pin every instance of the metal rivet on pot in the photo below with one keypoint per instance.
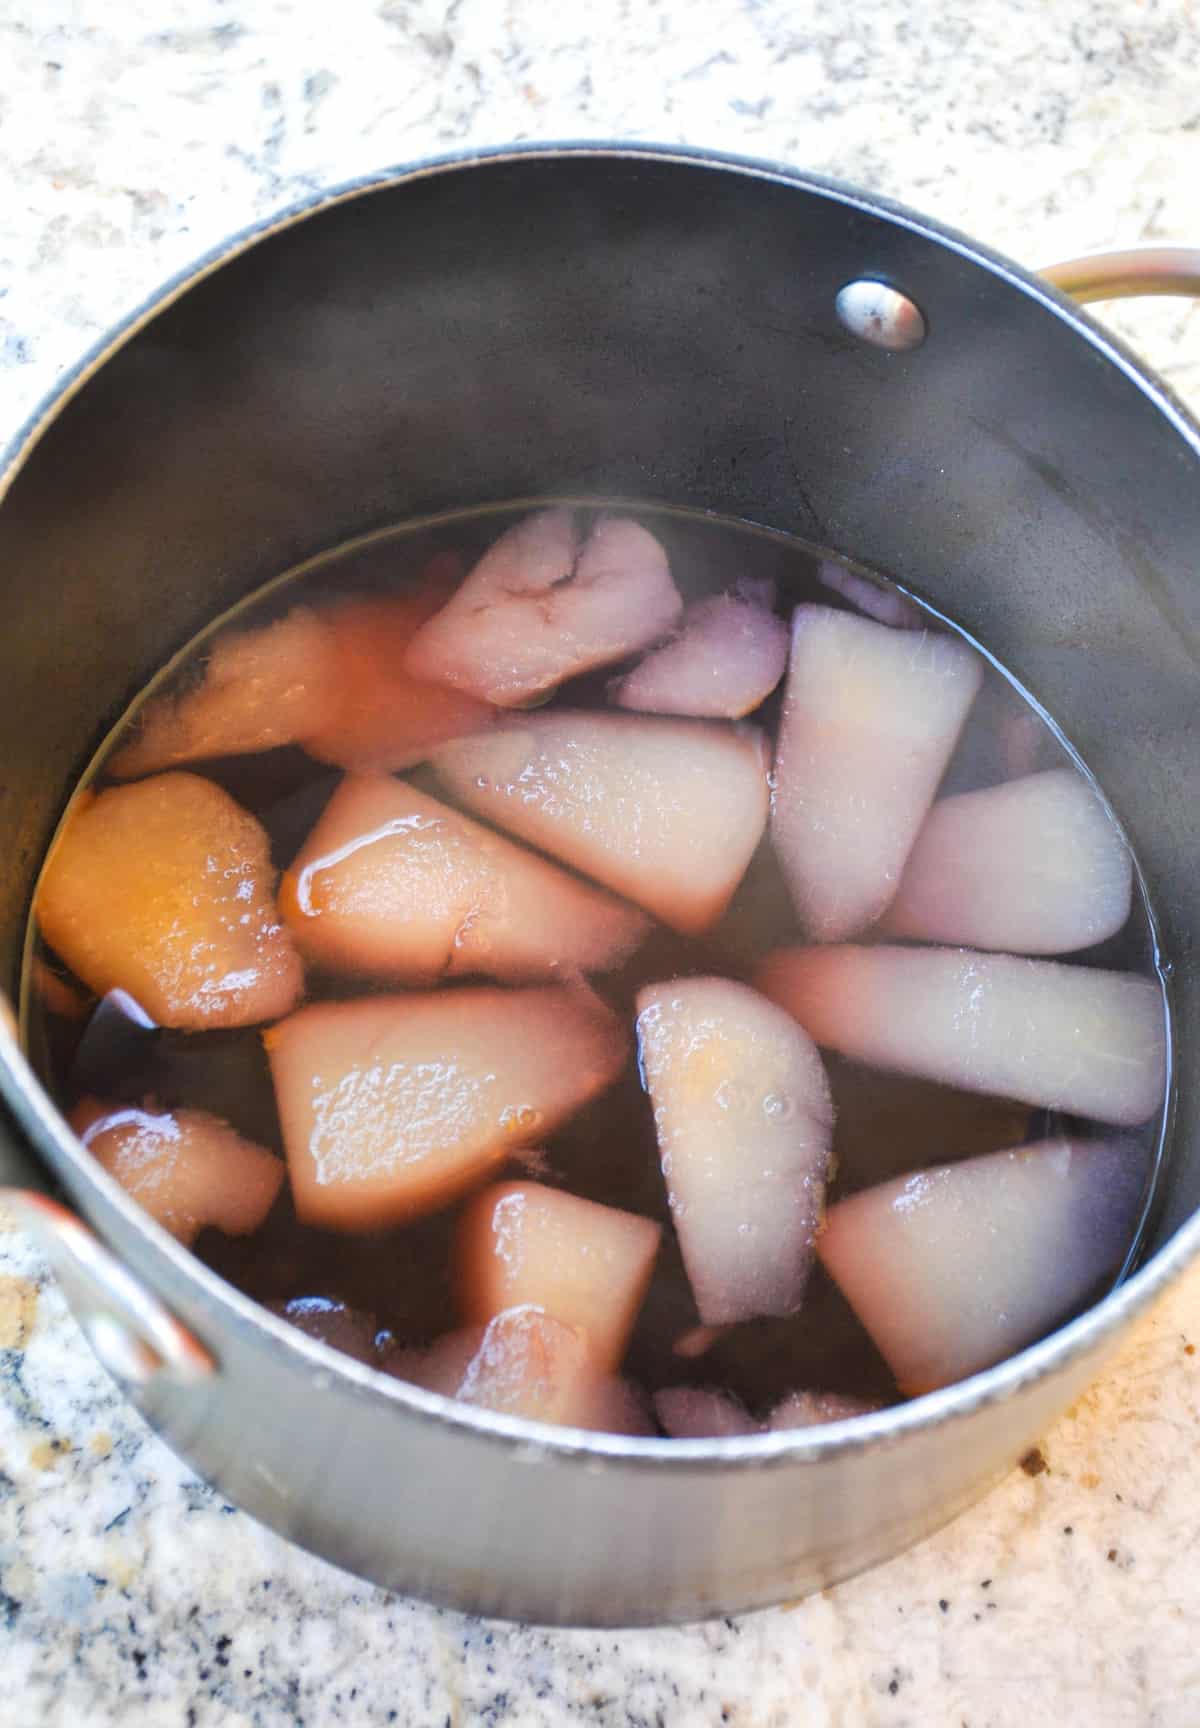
x,y
120,1350
880,315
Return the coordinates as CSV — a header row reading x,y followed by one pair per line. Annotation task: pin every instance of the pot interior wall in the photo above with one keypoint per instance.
x,y
659,329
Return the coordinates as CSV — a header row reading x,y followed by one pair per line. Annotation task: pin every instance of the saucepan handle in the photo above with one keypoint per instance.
x,y
134,1335
1130,274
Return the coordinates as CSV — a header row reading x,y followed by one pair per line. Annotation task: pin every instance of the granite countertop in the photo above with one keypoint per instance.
x,y
129,1591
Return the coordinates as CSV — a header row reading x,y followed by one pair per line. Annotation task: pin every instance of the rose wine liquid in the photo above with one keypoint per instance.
x,y
886,1124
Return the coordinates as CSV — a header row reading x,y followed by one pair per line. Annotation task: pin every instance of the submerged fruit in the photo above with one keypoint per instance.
x,y
391,1106
1069,1038
165,890
665,812
392,883
545,604
1036,866
744,1121
870,718
587,1265
187,1169
956,1267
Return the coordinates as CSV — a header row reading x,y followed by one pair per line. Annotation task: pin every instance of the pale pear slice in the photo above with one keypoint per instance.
x,y
666,813
1070,1038
744,1123
165,889
187,1169
392,1106
870,718
542,605
394,884
701,1413
521,1243
1036,866
728,656
814,1409
955,1268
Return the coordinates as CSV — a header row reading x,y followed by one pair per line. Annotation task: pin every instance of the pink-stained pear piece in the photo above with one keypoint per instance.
x,y
329,677
440,1366
954,1268
1036,866
729,655
392,883
700,1413
666,813
543,605
1069,1038
382,717
526,1363
520,1243
870,718
392,1106
744,1123
261,688
165,889
814,1409
617,1406
872,598
522,1363
187,1169
334,1323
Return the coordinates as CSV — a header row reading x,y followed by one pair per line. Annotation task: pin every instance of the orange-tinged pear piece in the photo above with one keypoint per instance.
x,y
165,889
588,1265
392,1106
187,1169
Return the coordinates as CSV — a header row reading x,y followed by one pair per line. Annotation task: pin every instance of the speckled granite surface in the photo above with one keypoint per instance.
x,y
133,137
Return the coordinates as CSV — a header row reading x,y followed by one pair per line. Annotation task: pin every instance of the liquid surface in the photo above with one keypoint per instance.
x,y
886,1125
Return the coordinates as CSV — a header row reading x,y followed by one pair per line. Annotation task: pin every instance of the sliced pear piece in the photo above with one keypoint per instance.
x,y
187,1169
664,812
1070,1038
728,656
521,1243
870,718
814,1409
543,605
702,1413
744,1122
525,1363
261,688
330,677
381,716
392,1106
1036,866
165,890
955,1268
394,884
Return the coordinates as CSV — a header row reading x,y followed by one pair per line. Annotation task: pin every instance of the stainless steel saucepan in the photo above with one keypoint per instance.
x,y
661,325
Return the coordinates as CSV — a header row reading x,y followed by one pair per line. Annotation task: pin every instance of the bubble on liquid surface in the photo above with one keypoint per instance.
x,y
520,1118
779,1106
